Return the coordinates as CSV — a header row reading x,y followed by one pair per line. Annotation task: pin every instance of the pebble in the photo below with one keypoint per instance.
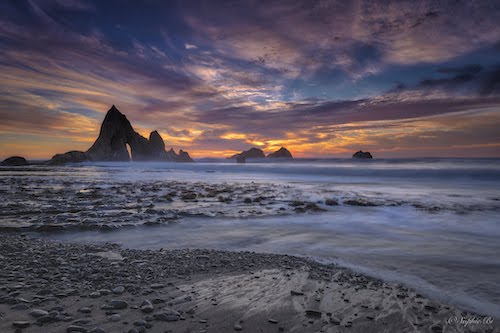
x,y
166,317
118,304
21,324
296,293
272,321
118,290
157,286
238,327
104,292
95,294
147,306
75,328
313,313
98,330
140,322
37,313
115,318
85,309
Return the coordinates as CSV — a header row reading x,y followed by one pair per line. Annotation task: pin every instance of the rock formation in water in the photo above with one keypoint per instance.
x,y
281,153
183,156
116,132
73,156
362,154
157,146
111,145
14,161
251,153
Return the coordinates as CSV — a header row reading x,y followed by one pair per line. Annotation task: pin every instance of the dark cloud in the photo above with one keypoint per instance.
x,y
452,81
490,83
467,69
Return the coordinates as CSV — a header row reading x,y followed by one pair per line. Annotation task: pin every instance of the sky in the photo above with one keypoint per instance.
x,y
323,78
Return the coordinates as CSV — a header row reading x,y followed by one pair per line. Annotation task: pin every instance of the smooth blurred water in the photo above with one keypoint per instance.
x,y
436,228
448,256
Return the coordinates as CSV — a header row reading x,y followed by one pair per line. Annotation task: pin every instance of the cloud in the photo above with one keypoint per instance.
x,y
309,75
188,46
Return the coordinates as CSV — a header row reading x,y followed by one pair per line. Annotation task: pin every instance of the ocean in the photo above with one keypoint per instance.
x,y
430,224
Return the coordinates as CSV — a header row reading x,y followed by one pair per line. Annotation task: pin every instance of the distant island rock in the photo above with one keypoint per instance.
x,y
73,156
14,161
362,154
183,156
251,153
111,145
281,153
258,153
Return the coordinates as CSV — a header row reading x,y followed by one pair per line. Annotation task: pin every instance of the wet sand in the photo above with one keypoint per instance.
x,y
48,286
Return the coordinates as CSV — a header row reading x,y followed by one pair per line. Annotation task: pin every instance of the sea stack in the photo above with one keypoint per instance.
x,y
281,153
157,146
117,132
73,156
14,161
362,155
111,145
183,156
251,153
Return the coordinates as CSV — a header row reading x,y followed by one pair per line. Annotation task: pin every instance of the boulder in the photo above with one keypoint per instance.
x,y
14,161
362,154
281,153
251,153
73,156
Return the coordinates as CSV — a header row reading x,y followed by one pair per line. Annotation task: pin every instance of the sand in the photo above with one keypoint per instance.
x,y
48,286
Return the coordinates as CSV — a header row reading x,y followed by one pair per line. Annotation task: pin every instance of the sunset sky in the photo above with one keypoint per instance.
x,y
322,78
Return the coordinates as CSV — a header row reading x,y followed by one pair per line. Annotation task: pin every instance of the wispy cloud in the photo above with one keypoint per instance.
x,y
215,78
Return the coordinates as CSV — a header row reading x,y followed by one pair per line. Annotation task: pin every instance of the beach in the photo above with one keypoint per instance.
x,y
217,247
49,286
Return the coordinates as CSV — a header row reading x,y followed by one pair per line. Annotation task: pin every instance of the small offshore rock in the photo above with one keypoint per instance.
x,y
331,202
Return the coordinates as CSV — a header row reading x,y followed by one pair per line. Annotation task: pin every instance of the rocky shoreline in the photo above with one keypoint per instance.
x,y
48,286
